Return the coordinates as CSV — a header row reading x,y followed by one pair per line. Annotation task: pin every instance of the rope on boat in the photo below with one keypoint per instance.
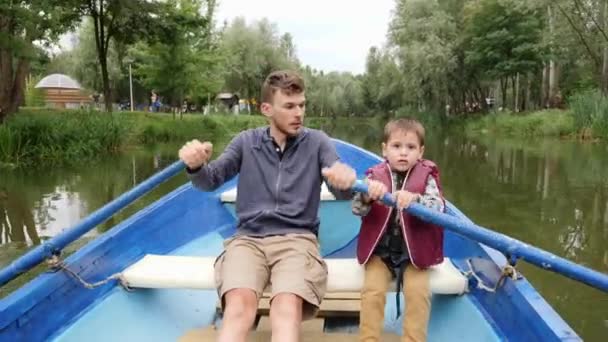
x,y
55,263
508,271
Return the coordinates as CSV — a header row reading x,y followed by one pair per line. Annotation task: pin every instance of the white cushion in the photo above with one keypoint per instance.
x,y
345,275
229,196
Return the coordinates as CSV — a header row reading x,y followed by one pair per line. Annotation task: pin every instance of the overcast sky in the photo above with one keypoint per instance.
x,y
331,35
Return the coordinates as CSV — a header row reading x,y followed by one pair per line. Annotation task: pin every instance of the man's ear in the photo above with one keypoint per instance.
x,y
266,109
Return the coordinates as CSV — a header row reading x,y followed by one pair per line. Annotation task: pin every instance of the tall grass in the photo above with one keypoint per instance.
x,y
554,123
590,112
28,139
155,128
38,135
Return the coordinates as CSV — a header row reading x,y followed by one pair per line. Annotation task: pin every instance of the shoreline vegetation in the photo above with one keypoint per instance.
x,y
50,137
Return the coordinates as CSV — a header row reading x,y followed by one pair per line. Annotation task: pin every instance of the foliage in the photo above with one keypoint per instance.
x,y
590,112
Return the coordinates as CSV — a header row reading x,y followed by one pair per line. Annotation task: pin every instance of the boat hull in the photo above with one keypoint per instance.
x,y
54,306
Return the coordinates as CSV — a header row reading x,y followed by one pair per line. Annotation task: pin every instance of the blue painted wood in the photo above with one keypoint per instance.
x,y
52,304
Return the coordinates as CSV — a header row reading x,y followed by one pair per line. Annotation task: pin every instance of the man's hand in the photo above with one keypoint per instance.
x,y
404,198
194,153
340,176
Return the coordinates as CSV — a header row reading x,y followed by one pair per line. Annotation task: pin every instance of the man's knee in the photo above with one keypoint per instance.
x,y
286,307
240,305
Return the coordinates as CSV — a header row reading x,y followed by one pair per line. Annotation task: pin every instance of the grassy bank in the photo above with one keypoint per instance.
x,y
545,123
33,137
43,136
586,118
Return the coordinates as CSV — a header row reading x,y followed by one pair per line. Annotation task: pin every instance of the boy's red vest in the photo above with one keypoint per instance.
x,y
424,241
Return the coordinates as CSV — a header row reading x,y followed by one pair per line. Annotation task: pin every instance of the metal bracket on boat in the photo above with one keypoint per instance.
x,y
508,271
55,263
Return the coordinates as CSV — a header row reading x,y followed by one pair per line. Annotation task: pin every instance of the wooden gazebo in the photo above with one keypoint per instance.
x,y
61,91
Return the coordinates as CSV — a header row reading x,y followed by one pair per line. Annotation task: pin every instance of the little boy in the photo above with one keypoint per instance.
x,y
392,243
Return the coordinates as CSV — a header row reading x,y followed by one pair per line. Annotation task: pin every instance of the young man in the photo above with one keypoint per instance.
x,y
281,168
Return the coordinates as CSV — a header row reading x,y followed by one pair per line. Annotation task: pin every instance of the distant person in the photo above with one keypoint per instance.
x,y
153,101
392,243
281,168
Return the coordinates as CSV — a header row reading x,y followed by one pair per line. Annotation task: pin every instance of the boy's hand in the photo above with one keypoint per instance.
x,y
404,198
340,176
194,153
375,190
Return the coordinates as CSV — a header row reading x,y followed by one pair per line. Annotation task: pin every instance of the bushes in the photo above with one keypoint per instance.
x,y
545,123
51,136
63,136
590,113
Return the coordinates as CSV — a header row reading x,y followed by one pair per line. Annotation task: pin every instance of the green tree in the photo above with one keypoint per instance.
x,y
21,24
505,41
184,61
124,22
422,34
253,51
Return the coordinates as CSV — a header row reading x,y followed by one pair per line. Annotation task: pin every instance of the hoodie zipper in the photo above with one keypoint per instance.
x,y
276,207
409,253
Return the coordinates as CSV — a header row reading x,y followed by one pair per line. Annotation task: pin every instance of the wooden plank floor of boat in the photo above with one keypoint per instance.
x,y
334,305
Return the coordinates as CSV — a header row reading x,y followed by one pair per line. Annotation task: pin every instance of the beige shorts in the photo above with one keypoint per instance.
x,y
287,263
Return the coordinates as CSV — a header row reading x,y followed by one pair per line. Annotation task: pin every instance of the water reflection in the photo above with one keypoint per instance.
x,y
17,219
39,204
550,193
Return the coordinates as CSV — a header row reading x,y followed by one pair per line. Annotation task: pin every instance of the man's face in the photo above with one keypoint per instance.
x,y
286,112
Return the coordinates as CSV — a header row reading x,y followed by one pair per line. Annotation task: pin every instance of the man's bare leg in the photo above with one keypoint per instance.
x,y
286,317
239,315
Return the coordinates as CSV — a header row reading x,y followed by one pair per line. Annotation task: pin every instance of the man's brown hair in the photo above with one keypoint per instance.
x,y
287,81
404,125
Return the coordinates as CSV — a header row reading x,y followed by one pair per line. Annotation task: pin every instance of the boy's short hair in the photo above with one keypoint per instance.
x,y
287,81
406,125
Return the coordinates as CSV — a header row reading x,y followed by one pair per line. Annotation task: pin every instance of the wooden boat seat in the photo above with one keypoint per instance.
x,y
210,334
344,275
311,331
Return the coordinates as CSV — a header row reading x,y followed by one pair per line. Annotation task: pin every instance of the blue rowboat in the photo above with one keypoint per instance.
x,y
150,277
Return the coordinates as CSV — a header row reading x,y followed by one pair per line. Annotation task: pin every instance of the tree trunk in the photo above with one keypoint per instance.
x,y
605,56
516,94
12,83
102,41
503,91
513,93
527,102
23,68
553,86
107,95
544,91
553,70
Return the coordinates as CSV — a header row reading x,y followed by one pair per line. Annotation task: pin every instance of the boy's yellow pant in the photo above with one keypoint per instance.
x,y
416,291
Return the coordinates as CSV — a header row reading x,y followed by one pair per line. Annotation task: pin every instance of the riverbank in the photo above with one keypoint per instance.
x,y
52,137
548,123
586,118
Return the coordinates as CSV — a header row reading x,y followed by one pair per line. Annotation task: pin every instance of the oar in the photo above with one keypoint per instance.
x,y
503,243
57,243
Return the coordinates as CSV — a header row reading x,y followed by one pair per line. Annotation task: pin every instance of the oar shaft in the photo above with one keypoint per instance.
x,y
503,243
57,243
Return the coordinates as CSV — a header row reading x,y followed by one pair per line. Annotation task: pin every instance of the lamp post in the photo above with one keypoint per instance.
x,y
131,86
130,60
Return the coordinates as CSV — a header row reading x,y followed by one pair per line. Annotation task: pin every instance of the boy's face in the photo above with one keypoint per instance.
x,y
402,150
286,112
